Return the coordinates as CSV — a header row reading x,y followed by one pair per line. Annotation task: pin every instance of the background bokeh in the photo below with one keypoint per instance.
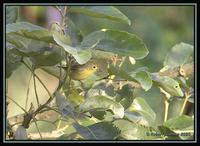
x,y
160,27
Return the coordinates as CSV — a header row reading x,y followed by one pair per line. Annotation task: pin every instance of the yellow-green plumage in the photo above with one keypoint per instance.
x,y
80,72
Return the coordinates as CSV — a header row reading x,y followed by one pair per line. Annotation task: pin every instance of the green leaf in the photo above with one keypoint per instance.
x,y
140,106
119,72
19,26
72,136
98,54
133,131
63,105
180,122
53,70
168,84
102,103
98,114
179,55
75,98
174,107
101,88
125,96
49,57
13,61
98,131
143,78
119,42
108,12
136,118
74,33
11,14
171,135
35,32
81,56
180,127
39,52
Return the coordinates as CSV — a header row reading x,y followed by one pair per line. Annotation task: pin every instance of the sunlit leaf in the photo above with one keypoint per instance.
x,y
108,12
81,56
174,107
179,55
103,103
143,78
74,33
180,122
133,131
35,32
19,26
119,72
141,106
75,98
100,88
115,41
39,52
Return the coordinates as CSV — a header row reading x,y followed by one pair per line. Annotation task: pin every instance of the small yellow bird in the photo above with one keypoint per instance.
x,y
82,71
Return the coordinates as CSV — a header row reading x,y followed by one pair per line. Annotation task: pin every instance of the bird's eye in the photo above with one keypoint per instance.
x,y
94,67
176,86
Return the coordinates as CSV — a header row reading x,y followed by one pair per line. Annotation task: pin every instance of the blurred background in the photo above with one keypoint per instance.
x,y
160,27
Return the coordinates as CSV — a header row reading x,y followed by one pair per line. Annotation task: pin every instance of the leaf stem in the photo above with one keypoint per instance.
x,y
37,128
184,103
27,92
38,79
17,104
35,89
166,109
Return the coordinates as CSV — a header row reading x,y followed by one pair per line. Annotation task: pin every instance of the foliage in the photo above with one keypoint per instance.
x,y
106,105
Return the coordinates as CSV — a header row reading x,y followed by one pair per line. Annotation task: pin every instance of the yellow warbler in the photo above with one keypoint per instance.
x,y
80,72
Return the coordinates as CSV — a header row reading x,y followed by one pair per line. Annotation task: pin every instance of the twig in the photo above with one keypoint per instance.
x,y
35,89
38,79
187,96
166,102
174,72
17,104
166,109
37,128
27,92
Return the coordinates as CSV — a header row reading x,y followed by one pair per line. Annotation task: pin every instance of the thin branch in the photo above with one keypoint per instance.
x,y
188,68
35,89
173,73
166,109
38,79
17,104
27,92
52,123
187,96
37,128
